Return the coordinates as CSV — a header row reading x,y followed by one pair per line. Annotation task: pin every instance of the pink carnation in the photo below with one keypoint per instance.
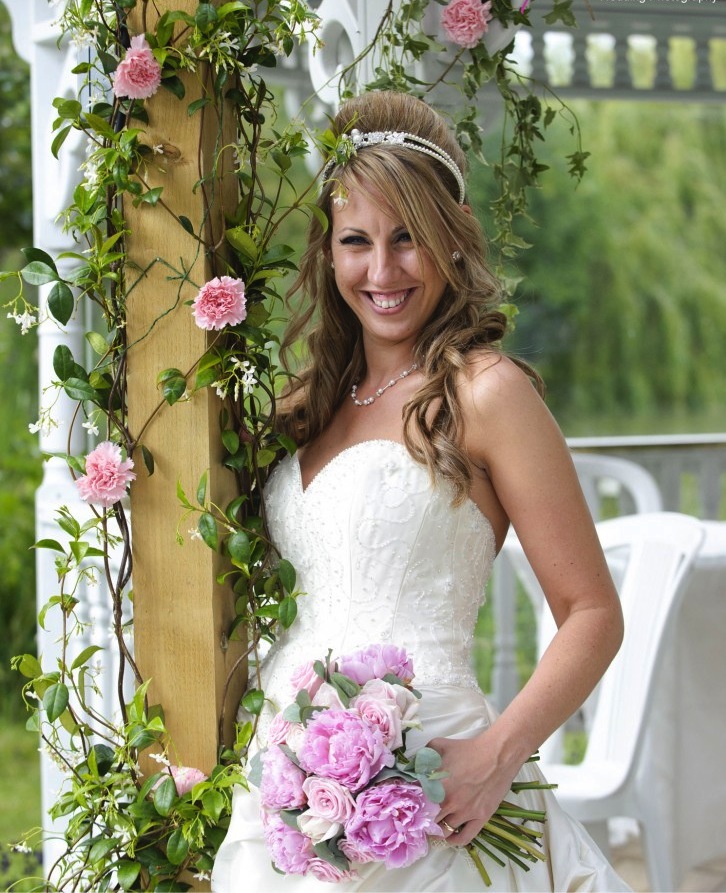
x,y
220,302
138,74
375,662
290,849
185,777
391,824
339,744
465,22
282,781
107,475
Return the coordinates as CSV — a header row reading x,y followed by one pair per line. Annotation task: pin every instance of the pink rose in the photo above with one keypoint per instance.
x,y
384,715
391,823
290,849
279,730
138,74
305,677
107,475
328,799
282,780
327,696
185,777
317,828
465,22
339,744
324,871
375,662
220,302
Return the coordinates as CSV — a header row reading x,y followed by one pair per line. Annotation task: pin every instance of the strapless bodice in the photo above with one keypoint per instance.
x,y
382,557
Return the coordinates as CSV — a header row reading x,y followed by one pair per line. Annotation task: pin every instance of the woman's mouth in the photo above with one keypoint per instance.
x,y
389,300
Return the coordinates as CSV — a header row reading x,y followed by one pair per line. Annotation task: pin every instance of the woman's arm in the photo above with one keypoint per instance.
x,y
514,442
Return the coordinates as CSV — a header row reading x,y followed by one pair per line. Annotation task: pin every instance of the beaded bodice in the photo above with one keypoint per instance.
x,y
382,556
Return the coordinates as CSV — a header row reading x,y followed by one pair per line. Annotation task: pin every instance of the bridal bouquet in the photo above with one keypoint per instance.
x,y
338,788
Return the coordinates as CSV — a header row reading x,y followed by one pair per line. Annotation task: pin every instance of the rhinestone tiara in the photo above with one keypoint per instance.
x,y
357,141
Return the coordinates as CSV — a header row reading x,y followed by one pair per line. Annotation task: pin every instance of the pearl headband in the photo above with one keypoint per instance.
x,y
356,140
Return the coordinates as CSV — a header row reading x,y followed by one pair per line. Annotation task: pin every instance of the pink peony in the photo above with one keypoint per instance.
x,y
290,849
279,730
305,677
339,744
107,475
375,662
465,22
328,799
391,824
281,784
220,302
138,74
185,777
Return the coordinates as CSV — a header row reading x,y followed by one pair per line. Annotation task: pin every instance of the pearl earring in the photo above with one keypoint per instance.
x,y
456,256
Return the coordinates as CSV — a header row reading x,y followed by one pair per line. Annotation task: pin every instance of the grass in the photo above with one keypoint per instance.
x,y
20,813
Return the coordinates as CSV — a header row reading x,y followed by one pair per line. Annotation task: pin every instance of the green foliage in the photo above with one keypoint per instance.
x,y
622,289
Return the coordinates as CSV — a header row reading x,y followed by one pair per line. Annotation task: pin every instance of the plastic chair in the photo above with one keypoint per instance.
x,y
657,551
610,476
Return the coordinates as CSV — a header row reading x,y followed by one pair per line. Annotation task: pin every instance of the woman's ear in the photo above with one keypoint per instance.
x,y
466,209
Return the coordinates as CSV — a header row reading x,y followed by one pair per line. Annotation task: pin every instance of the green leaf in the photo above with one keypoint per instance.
x,y
287,574
173,389
61,302
182,496
152,196
29,666
288,611
177,849
84,655
241,241
101,849
127,873
202,488
214,804
345,684
37,254
49,544
55,700
230,439
208,529
253,701
97,342
174,85
187,224
319,214
148,458
265,457
59,139
39,273
197,104
239,547
65,366
164,796
78,389
205,16
100,125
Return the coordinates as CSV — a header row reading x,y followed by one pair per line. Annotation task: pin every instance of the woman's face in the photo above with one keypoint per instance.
x,y
392,288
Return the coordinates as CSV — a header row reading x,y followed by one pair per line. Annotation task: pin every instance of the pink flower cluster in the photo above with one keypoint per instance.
x,y
185,777
107,475
465,22
334,767
221,302
138,74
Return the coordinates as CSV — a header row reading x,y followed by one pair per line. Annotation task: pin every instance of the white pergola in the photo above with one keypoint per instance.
x,y
610,28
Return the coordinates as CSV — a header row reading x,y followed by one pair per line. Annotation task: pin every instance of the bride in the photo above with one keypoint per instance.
x,y
419,443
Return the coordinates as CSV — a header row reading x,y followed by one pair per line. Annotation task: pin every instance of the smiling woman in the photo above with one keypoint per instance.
x,y
392,510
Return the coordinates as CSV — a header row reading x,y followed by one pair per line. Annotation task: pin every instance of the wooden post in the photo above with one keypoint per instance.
x,y
181,615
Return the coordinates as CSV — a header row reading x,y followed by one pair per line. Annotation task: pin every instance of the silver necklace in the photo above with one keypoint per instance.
x,y
380,391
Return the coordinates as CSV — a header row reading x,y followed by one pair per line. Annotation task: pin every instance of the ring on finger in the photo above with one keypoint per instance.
x,y
447,827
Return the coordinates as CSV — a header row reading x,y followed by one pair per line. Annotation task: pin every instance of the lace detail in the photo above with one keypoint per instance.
x,y
382,557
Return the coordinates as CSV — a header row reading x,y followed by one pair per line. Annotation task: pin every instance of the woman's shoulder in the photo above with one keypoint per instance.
x,y
492,377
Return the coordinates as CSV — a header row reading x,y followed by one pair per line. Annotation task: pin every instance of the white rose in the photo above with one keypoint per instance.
x,y
317,828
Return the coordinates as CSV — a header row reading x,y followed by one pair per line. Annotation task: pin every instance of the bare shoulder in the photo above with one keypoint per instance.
x,y
492,380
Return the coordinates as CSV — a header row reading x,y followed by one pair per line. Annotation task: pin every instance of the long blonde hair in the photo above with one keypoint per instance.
x,y
422,193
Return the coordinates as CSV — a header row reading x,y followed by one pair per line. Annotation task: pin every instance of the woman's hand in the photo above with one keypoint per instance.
x,y
475,785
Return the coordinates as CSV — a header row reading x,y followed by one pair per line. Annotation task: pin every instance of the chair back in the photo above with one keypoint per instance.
x,y
653,553
632,486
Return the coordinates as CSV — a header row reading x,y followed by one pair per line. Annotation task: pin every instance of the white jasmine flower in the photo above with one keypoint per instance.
x,y
202,876
25,320
90,427
21,847
158,150
160,758
194,533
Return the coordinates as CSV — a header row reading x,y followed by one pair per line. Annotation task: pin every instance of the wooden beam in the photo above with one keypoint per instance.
x,y
181,615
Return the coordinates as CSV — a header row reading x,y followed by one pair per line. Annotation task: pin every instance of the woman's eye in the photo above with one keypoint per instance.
x,y
353,240
404,237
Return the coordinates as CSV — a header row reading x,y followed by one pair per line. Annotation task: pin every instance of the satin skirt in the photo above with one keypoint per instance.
x,y
574,862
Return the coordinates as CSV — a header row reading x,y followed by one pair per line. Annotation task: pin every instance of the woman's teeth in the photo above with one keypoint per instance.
x,y
385,302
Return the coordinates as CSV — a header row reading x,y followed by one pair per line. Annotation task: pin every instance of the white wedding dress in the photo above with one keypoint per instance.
x,y
383,557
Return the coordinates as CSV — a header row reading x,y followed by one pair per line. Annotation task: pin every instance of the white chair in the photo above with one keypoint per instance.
x,y
656,551
603,477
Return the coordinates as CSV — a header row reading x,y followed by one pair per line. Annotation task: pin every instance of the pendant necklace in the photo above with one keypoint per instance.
x,y
380,391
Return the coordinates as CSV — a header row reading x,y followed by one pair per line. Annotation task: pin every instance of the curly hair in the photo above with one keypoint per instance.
x,y
423,194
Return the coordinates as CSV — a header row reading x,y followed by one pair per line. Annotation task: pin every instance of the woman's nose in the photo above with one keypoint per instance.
x,y
382,265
